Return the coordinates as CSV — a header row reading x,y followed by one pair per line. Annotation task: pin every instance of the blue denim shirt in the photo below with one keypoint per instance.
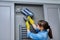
x,y
41,35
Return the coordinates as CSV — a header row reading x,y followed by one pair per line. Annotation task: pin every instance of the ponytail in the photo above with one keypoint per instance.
x,y
50,33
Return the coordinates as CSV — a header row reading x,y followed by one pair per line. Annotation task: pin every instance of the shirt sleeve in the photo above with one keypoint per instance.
x,y
38,36
32,35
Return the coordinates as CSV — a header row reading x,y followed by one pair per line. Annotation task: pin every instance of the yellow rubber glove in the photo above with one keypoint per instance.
x,y
27,25
30,20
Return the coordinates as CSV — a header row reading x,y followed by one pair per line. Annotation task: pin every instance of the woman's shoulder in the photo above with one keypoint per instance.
x,y
44,32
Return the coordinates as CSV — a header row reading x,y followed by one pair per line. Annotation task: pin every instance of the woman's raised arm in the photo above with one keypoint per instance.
x,y
31,22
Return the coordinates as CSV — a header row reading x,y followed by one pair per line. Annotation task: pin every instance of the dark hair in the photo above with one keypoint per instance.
x,y
46,26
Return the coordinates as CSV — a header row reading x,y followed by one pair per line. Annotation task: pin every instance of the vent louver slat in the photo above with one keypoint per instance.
x,y
23,33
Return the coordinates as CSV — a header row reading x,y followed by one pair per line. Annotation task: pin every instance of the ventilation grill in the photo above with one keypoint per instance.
x,y
23,33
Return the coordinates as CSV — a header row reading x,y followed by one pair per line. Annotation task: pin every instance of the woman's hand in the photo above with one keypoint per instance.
x,y
31,22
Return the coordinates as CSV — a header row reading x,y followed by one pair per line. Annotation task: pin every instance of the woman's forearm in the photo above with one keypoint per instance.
x,y
28,30
34,26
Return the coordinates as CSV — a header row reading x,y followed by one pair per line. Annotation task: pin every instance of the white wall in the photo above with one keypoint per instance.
x,y
33,1
52,14
6,21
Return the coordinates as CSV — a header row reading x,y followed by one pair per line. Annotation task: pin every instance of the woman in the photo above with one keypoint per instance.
x,y
43,29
